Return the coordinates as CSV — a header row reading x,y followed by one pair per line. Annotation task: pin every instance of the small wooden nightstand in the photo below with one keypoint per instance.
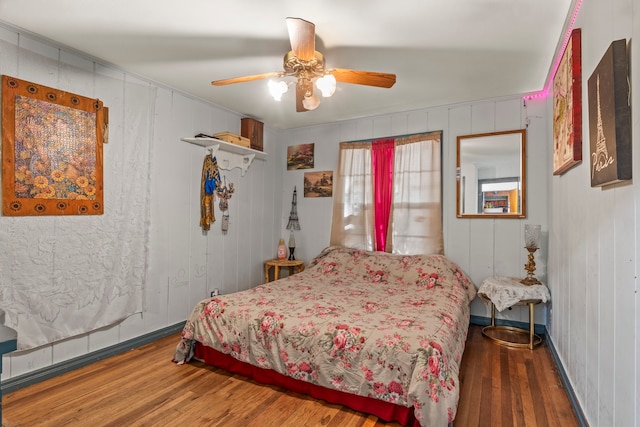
x,y
295,266
506,292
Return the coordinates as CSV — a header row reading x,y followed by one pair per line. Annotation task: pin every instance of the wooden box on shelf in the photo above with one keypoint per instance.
x,y
232,138
252,129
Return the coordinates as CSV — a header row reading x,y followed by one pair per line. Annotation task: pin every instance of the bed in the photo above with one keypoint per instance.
x,y
376,332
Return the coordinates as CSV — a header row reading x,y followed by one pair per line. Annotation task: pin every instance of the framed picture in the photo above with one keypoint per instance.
x,y
300,156
610,117
567,107
51,151
318,184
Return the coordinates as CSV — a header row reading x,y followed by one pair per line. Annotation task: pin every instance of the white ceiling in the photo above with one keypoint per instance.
x,y
442,51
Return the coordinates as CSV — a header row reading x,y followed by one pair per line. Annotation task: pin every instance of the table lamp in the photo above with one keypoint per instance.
x,y
531,241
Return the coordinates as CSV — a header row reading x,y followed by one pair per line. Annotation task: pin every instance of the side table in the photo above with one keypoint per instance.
x,y
505,292
295,266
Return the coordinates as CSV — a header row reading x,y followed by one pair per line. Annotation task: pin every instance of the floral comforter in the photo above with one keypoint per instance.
x,y
385,326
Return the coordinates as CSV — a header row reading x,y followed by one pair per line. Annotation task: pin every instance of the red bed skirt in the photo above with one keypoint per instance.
x,y
384,410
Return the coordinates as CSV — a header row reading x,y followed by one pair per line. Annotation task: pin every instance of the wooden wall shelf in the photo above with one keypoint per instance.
x,y
229,155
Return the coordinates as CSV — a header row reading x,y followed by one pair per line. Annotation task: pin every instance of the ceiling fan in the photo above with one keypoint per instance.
x,y
307,65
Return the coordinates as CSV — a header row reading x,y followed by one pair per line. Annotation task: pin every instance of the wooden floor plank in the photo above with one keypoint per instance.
x,y
143,388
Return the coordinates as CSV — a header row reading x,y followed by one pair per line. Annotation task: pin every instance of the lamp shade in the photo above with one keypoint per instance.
x,y
277,89
532,236
311,102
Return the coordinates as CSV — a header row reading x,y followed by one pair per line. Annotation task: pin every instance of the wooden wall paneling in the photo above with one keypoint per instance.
x,y
399,124
105,337
592,316
365,129
508,250
606,328
242,226
181,175
482,248
231,241
38,62
625,290
201,118
508,114
24,362
457,230
418,121
382,126
69,348
347,131
483,117
576,287
12,38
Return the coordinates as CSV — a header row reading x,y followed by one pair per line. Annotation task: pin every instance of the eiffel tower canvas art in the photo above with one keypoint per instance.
x,y
610,118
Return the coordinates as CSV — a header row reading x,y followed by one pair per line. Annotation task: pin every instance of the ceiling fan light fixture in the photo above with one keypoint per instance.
x,y
277,89
311,102
327,85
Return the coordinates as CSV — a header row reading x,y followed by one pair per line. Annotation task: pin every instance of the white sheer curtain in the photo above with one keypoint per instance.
x,y
415,225
352,224
416,221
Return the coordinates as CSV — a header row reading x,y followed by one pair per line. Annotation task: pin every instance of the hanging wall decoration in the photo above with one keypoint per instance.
x,y
51,151
318,184
300,156
567,107
210,180
610,117
293,224
224,194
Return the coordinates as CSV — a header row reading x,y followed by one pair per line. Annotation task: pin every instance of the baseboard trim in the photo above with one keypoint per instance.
x,y
542,330
30,378
577,409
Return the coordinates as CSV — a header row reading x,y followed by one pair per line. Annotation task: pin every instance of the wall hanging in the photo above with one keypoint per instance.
x,y
224,194
293,224
300,156
610,117
567,107
318,184
51,151
209,181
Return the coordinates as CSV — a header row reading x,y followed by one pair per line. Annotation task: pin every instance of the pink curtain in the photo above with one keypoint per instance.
x,y
382,170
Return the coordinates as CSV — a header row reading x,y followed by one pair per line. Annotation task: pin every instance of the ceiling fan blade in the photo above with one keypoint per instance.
x,y
368,78
302,35
246,78
300,93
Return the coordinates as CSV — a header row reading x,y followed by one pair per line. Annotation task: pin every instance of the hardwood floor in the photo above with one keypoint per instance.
x,y
500,386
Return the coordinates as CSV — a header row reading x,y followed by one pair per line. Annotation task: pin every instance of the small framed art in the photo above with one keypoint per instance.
x,y
567,107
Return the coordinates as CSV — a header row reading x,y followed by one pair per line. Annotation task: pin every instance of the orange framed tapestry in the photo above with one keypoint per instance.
x,y
51,151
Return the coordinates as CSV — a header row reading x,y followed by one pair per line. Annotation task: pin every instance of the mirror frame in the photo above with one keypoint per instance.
x,y
487,137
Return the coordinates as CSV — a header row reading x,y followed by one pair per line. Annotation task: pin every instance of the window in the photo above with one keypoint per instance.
x,y
414,210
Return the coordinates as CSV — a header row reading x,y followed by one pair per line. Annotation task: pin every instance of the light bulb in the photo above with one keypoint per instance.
x,y
311,102
277,89
327,85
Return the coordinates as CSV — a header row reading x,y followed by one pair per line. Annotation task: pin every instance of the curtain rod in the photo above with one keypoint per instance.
x,y
406,135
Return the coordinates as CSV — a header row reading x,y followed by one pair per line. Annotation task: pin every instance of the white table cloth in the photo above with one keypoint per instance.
x,y
505,292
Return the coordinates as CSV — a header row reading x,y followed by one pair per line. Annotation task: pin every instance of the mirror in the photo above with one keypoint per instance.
x,y
490,175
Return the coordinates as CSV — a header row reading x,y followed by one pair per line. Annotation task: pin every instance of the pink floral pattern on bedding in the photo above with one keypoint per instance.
x,y
374,324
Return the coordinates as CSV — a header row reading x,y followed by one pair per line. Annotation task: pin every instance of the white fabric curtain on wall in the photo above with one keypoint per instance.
x,y
68,275
352,224
416,221
415,225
